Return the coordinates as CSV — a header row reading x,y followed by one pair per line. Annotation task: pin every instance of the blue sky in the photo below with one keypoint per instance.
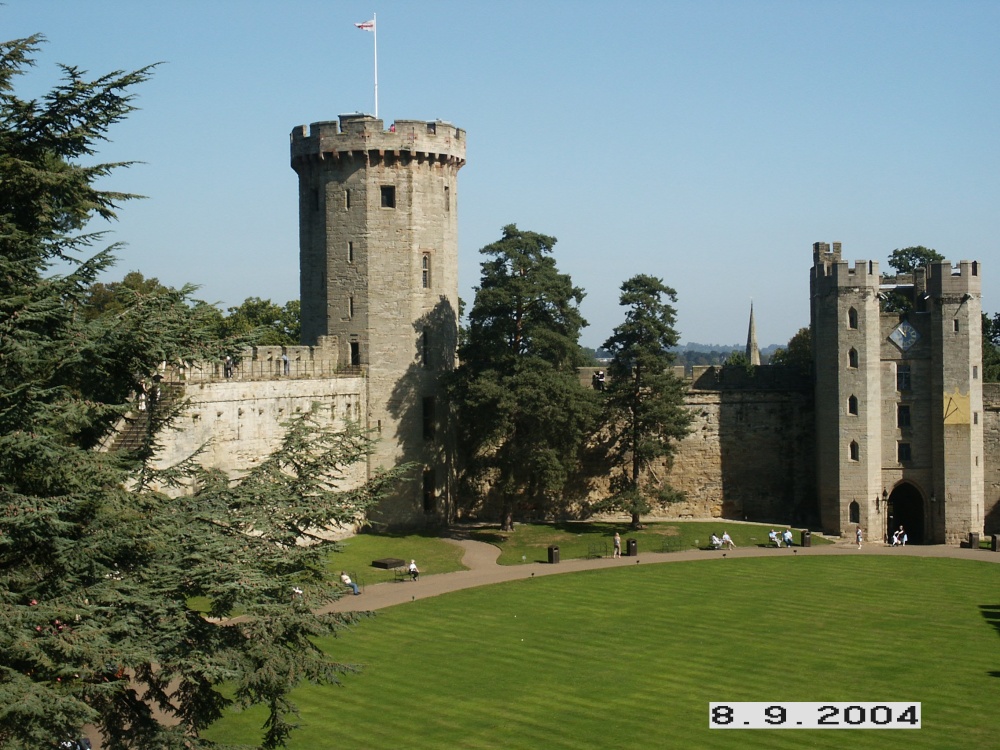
x,y
708,143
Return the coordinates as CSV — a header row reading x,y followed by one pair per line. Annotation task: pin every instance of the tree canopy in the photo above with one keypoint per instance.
x,y
797,353
98,566
523,414
908,259
644,400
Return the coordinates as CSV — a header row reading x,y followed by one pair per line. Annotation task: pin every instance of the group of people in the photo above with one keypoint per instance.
x,y
726,541
785,536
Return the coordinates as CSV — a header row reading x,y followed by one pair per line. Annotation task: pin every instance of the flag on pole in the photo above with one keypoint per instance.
x,y
367,25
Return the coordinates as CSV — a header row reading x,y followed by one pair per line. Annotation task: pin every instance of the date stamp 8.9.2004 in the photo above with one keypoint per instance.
x,y
829,715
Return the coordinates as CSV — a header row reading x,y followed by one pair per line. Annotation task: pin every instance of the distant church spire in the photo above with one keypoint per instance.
x,y
753,353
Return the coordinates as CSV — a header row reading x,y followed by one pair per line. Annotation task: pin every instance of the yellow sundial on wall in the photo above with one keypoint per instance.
x,y
956,408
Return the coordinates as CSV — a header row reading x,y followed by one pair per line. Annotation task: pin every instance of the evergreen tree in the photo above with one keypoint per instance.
x,y
644,400
991,348
523,414
97,567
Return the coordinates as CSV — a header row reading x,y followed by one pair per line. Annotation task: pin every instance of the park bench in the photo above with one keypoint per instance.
x,y
401,573
670,544
597,549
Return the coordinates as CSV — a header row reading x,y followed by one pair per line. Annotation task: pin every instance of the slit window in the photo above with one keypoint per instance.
x,y
347,198
955,324
428,417
350,252
425,271
355,353
430,496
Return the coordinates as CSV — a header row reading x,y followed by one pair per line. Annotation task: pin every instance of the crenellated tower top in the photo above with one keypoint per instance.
x,y
364,137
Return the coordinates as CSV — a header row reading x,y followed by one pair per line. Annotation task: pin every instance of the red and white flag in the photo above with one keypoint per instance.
x,y
367,25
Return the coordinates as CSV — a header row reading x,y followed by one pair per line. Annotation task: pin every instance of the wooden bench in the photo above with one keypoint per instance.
x,y
400,574
597,549
670,544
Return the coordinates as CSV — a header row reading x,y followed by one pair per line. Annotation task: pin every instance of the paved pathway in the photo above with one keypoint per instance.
x,y
481,560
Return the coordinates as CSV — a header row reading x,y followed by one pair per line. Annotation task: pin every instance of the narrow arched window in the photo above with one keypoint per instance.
x,y
855,451
852,318
852,359
855,512
852,405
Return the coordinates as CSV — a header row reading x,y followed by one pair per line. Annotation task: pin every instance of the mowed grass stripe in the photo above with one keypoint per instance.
x,y
634,655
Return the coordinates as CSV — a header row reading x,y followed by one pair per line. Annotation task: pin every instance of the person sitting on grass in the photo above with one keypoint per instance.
x,y
346,580
413,571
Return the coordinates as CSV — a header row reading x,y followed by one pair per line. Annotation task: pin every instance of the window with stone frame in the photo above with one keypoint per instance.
x,y
855,451
903,452
852,359
902,415
903,377
852,319
852,405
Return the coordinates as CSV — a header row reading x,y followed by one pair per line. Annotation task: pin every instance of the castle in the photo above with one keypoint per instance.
x,y
896,427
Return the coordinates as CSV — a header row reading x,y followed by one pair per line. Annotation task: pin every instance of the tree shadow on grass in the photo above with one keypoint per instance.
x,y
991,613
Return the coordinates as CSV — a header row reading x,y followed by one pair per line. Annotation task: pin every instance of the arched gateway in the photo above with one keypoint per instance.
x,y
905,507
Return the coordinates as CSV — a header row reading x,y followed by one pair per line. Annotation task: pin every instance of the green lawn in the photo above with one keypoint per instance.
x,y
530,542
433,555
631,657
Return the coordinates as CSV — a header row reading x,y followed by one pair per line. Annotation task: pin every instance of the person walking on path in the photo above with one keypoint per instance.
x,y
618,546
727,540
858,536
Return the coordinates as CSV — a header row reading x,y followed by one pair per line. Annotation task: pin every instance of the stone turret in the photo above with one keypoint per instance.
x,y
378,239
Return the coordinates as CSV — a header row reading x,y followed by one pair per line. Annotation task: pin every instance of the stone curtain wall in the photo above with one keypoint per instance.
x,y
750,452
236,423
991,455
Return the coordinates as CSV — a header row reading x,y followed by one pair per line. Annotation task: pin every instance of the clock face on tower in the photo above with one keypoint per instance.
x,y
904,335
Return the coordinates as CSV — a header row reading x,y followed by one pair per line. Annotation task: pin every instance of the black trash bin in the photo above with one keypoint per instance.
x,y
633,548
553,554
973,540
995,543
807,538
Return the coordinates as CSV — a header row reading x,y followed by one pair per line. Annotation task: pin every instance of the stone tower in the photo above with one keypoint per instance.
x,y
899,435
378,264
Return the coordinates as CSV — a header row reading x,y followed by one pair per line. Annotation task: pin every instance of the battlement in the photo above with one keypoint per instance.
x,y
829,270
365,137
945,279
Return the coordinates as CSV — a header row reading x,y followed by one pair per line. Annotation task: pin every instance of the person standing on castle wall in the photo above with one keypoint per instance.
x,y
727,540
859,536
285,364
227,366
618,545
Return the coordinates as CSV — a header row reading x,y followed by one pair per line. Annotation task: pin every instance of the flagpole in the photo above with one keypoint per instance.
x,y
375,35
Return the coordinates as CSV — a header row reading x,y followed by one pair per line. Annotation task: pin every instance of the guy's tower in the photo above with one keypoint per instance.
x,y
378,255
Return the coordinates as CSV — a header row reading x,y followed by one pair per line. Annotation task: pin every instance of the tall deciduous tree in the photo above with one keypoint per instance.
x,y
907,260
96,566
646,415
797,353
523,414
